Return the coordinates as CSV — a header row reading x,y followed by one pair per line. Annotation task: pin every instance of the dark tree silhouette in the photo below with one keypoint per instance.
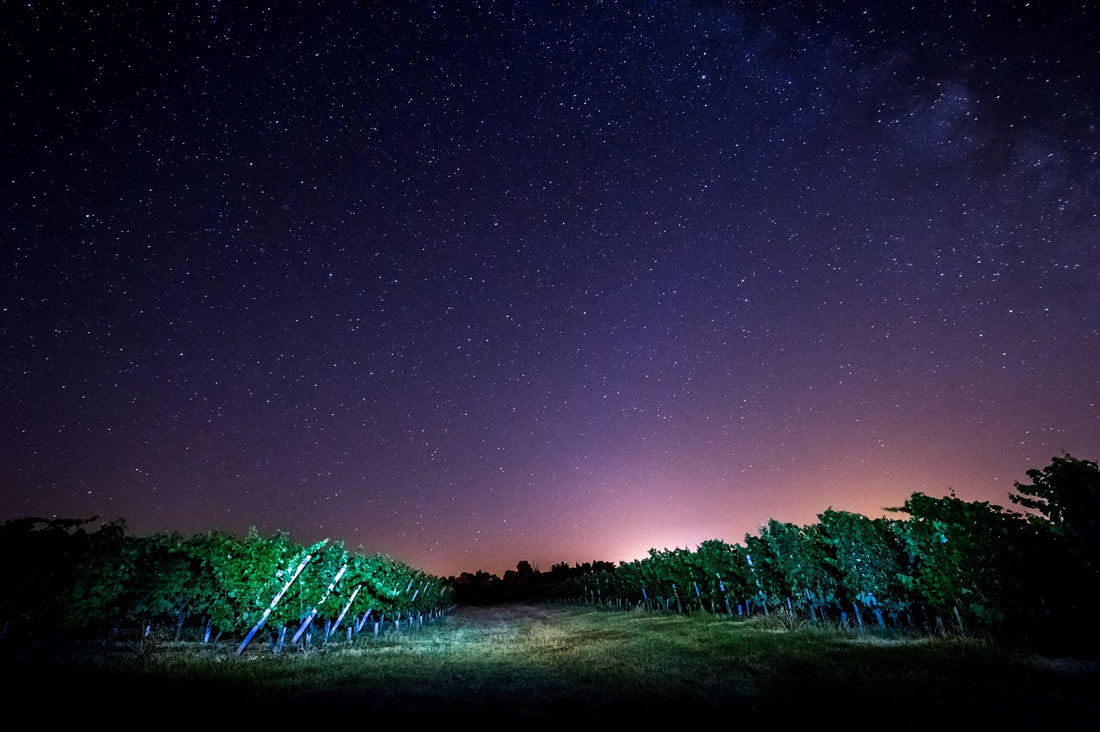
x,y
1066,495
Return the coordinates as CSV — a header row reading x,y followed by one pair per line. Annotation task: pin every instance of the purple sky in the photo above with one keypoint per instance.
x,y
471,283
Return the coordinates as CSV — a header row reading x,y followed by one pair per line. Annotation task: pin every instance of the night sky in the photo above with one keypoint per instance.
x,y
472,283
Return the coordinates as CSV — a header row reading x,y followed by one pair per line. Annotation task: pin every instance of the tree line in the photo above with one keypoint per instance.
x,y
525,583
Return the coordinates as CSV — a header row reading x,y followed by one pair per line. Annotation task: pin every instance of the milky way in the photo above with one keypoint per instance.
x,y
470,283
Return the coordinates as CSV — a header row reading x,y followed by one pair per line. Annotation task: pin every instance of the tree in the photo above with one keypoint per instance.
x,y
1066,495
44,556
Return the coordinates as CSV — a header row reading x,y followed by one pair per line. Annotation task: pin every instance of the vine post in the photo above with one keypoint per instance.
x,y
275,601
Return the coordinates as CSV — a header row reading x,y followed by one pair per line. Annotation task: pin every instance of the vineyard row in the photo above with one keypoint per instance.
x,y
75,582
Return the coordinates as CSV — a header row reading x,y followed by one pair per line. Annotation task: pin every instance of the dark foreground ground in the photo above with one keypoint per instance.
x,y
546,666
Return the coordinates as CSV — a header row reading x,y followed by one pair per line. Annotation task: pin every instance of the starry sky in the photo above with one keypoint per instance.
x,y
469,283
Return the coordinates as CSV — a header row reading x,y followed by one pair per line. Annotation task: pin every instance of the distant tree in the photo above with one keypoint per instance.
x,y
518,579
475,588
561,571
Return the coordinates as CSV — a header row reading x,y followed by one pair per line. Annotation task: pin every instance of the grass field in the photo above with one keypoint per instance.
x,y
546,664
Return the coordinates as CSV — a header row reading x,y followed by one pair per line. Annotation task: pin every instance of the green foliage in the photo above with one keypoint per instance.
x,y
216,558
1066,495
860,556
94,582
722,567
959,555
789,563
968,565
104,572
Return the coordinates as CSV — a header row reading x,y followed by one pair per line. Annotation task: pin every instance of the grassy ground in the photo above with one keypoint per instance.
x,y
548,663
